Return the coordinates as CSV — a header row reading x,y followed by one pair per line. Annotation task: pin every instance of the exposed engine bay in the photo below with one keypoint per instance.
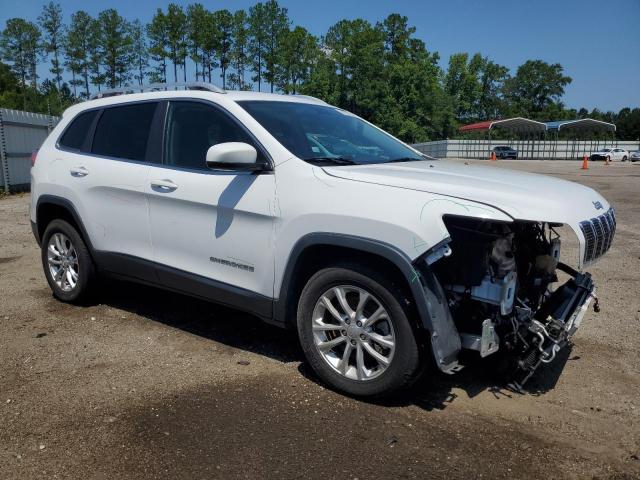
x,y
501,284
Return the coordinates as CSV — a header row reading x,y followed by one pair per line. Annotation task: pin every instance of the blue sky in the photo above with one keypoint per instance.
x,y
597,42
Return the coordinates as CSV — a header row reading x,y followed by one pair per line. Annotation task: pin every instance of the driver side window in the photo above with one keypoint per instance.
x,y
193,127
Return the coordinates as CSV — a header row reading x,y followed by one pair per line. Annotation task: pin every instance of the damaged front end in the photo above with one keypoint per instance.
x,y
500,281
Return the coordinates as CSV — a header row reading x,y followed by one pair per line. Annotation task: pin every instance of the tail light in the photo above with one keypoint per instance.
x,y
34,156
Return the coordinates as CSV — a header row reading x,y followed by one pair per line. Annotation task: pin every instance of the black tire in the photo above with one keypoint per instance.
x,y
405,365
86,269
624,159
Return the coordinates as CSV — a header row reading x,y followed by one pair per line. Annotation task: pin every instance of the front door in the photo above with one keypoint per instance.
x,y
209,229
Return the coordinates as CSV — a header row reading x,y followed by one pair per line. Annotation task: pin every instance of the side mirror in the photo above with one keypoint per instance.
x,y
233,156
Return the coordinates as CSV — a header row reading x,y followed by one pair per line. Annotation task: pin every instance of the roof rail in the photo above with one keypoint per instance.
x,y
204,86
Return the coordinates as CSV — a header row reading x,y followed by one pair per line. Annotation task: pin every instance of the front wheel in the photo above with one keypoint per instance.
x,y
624,159
67,263
355,333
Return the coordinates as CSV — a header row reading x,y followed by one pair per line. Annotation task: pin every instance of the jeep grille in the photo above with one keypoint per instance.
x,y
598,234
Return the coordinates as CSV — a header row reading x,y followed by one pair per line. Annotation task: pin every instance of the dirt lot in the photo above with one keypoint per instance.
x,y
148,384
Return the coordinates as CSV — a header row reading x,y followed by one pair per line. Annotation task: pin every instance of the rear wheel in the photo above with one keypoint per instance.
x,y
624,158
67,263
355,334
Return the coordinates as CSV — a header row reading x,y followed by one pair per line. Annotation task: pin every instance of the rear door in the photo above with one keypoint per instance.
x,y
210,227
109,177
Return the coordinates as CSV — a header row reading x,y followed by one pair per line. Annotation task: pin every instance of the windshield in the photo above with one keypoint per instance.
x,y
604,150
324,134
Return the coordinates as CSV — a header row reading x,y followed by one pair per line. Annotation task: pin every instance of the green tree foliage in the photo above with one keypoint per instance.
x,y
115,47
239,50
197,18
139,51
20,45
158,35
223,22
257,40
536,89
277,25
378,71
96,44
46,99
77,48
475,86
176,24
298,52
628,123
54,30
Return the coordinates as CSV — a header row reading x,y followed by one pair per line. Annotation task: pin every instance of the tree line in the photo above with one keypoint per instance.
x,y
379,71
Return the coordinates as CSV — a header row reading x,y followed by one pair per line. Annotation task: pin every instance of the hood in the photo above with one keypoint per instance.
x,y
522,196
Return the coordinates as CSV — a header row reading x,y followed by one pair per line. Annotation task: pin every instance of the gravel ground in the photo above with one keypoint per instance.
x,y
147,384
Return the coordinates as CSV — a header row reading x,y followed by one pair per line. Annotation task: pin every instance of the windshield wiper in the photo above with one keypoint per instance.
x,y
331,161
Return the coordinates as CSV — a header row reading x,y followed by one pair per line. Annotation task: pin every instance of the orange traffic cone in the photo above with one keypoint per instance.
x,y
585,163
493,156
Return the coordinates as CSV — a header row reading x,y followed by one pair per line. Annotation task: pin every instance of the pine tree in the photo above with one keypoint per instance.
x,y
139,51
77,49
54,31
116,47
177,38
96,41
277,25
239,45
298,53
224,23
197,17
20,45
257,40
157,33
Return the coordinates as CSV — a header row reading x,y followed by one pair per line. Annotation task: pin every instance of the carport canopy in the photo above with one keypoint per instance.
x,y
516,124
582,124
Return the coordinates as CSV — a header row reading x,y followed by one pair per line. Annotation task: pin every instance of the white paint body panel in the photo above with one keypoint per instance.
x,y
225,216
256,220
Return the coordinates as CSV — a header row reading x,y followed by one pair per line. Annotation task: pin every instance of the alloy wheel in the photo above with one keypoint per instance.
x,y
353,333
62,259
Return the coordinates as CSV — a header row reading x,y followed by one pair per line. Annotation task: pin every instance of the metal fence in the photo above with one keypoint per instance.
x,y
527,149
20,134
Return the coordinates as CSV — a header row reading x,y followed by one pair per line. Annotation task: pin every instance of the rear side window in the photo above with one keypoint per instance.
x,y
123,131
76,133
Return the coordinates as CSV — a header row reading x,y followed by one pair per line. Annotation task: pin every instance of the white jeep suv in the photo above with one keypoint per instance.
x,y
309,217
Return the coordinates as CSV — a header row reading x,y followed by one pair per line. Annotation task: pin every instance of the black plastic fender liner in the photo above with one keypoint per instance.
x,y
427,293
445,338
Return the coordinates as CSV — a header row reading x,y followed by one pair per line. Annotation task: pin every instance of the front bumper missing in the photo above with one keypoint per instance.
x,y
555,323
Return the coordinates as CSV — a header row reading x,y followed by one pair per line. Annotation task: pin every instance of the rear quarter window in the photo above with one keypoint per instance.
x,y
123,131
76,133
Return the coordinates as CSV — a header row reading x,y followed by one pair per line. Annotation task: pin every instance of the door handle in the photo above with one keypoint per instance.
x,y
163,186
79,172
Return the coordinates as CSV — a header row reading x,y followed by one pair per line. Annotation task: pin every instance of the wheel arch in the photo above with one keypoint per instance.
x,y
51,207
318,250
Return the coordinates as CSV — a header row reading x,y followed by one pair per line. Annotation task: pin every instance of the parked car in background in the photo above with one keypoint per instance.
x,y
504,151
634,156
610,154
